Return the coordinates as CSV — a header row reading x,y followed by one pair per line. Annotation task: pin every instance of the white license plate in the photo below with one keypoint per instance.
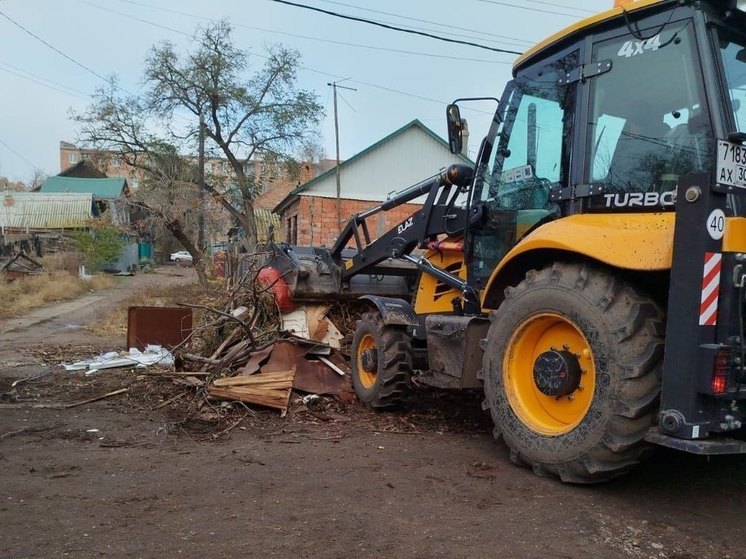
x,y
731,167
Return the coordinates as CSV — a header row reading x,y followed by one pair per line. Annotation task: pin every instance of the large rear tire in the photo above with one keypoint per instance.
x,y
572,372
381,363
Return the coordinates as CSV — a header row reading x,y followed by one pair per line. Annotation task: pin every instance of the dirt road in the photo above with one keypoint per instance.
x,y
327,485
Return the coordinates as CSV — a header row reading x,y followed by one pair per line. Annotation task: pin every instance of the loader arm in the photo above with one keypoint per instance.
x,y
384,266
437,216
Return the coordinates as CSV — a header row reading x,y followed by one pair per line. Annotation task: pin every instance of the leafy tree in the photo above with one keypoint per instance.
x,y
245,114
99,246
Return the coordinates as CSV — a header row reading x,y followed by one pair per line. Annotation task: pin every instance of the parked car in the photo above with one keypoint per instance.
x,y
181,256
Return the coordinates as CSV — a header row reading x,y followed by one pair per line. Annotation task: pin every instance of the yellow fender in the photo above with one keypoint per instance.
x,y
640,242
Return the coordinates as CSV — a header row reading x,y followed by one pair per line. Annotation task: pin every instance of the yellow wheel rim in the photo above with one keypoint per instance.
x,y
367,379
547,415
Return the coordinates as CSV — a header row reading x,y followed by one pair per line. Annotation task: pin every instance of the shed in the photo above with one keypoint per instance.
x,y
108,193
24,212
403,158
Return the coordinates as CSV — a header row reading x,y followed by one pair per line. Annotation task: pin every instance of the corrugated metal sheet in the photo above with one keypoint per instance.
x,y
400,162
265,219
26,211
102,189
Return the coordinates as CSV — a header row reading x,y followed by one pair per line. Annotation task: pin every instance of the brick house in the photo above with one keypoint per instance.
x,y
405,157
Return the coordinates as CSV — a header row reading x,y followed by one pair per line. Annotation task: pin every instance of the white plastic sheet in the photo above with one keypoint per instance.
x,y
154,355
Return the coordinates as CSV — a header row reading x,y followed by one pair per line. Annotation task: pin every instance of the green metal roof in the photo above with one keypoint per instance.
x,y
102,189
351,160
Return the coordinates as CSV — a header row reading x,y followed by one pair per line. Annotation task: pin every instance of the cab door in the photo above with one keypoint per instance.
x,y
530,159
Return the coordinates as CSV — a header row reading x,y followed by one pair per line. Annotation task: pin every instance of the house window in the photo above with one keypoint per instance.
x,y
72,157
291,236
116,161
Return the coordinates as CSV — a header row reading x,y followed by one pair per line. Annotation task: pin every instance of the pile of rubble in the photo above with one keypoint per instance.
x,y
244,349
236,348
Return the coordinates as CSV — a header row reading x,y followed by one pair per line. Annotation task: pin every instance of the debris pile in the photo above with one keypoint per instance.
x,y
205,358
243,349
20,264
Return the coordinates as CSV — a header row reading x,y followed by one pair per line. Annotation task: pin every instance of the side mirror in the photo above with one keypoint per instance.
x,y
455,129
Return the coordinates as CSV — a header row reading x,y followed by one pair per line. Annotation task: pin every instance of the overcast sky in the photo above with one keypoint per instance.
x,y
398,77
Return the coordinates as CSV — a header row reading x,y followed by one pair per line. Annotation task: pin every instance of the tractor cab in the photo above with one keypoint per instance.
x,y
619,145
606,117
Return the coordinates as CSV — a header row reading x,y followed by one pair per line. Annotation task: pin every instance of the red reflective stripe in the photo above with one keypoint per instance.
x,y
710,289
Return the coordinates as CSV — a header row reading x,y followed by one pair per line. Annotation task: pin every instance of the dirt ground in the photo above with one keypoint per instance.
x,y
119,478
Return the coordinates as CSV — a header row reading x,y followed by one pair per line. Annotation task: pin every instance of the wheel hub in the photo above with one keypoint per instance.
x,y
557,373
369,360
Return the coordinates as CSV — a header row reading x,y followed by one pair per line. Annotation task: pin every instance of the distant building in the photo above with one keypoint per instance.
x,y
83,169
401,159
107,162
31,212
108,193
33,222
273,179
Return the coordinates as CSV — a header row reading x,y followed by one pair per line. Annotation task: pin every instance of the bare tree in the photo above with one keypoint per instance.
x,y
246,115
262,115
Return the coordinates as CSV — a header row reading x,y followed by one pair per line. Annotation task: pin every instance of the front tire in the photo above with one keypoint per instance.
x,y
381,363
572,372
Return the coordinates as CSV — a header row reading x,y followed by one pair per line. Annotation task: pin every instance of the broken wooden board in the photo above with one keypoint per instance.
x,y
271,389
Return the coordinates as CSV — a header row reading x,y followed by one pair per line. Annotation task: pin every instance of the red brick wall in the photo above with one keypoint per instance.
x,y
315,219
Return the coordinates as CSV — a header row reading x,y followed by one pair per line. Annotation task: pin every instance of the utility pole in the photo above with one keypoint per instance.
x,y
334,86
201,178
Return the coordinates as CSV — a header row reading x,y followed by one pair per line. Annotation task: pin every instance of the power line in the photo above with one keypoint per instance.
x,y
40,83
307,37
529,8
301,66
20,156
71,90
561,6
394,28
55,49
137,18
448,25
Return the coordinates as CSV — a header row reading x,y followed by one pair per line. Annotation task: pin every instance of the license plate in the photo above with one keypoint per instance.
x,y
731,167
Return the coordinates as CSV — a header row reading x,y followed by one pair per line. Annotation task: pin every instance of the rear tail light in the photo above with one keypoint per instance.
x,y
720,370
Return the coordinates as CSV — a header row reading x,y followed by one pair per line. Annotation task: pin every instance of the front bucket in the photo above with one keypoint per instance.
x,y
311,275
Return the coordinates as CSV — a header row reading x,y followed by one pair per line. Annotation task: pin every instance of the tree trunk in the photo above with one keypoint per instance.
x,y
198,257
200,266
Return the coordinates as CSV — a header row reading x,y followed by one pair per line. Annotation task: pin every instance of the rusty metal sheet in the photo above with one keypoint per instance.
x,y
316,377
282,358
311,376
256,359
165,326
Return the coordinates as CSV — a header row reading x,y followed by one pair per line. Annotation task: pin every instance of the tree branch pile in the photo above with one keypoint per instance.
x,y
244,350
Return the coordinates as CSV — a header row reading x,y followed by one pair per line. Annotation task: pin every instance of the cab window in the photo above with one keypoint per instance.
x,y
533,148
648,124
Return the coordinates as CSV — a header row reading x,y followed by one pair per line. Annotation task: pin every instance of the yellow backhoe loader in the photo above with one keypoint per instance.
x,y
589,272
